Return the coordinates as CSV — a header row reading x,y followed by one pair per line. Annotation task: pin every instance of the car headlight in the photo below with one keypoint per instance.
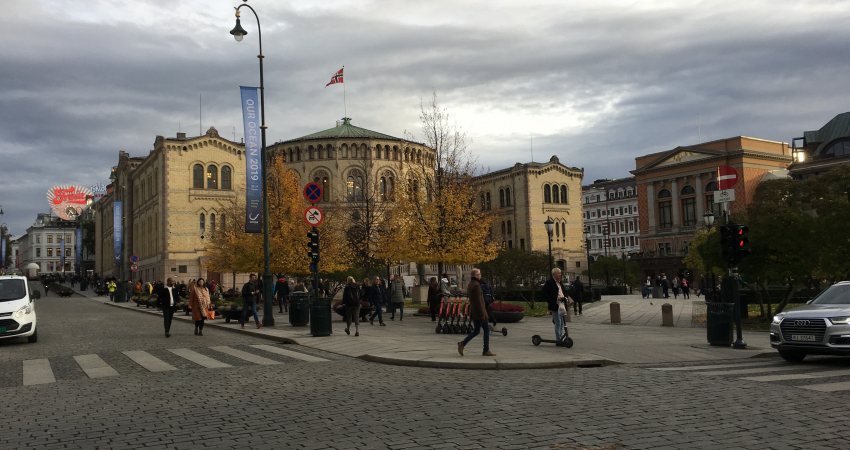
x,y
778,318
843,320
19,314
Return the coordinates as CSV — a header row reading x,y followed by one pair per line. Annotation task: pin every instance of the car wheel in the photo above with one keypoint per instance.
x,y
33,338
792,356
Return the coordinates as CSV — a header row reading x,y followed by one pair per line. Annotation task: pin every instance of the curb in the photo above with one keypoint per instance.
x,y
486,365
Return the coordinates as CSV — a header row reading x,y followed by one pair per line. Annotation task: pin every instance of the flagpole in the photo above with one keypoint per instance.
x,y
344,103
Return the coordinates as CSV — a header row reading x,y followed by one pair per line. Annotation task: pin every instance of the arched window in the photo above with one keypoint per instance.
x,y
226,178
223,221
508,198
564,194
557,231
386,152
688,190
483,205
326,188
555,194
391,187
488,201
501,198
564,230
212,177
382,189
711,186
212,222
547,194
510,228
354,185
377,152
202,223
504,231
198,176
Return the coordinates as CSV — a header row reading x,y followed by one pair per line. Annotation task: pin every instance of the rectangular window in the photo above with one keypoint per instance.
x,y
510,244
38,239
689,217
67,252
49,251
38,252
578,264
665,213
522,244
182,269
661,249
49,238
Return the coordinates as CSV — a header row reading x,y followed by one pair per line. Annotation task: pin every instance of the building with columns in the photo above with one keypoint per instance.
x,y
50,243
676,187
611,217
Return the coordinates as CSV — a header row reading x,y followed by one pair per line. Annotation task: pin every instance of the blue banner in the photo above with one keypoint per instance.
x,y
117,233
253,161
78,246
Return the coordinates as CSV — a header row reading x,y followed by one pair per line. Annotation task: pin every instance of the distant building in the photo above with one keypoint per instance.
x,y
50,243
676,188
611,217
820,150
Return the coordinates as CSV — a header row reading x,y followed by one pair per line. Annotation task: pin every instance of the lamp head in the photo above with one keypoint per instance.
x,y
238,32
549,222
708,217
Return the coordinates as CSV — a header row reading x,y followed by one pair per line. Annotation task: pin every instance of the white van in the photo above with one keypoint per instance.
x,y
17,311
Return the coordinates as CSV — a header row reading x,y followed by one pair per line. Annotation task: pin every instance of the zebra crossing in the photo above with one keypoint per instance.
x,y
40,371
809,376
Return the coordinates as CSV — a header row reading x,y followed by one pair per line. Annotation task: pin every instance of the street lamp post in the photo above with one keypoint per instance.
x,y
623,252
238,33
549,222
589,259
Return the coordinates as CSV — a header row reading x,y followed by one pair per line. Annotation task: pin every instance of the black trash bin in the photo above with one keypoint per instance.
x,y
718,323
320,320
299,309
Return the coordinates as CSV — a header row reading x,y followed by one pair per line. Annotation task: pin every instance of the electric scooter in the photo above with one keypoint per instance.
x,y
441,316
566,341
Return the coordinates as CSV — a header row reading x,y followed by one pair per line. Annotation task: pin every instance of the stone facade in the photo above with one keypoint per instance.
x,y
611,217
676,188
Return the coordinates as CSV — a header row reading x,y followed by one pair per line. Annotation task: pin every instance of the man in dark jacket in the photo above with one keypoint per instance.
x,y
487,291
168,299
575,293
478,314
553,292
250,293
281,291
377,294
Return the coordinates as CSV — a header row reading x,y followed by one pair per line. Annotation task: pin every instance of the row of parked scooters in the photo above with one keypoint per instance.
x,y
453,317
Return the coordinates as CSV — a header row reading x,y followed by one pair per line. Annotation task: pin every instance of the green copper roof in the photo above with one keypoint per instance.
x,y
838,127
346,130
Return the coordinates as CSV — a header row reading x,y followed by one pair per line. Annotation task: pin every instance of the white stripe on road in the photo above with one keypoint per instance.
x,y
38,371
148,361
94,366
198,358
250,357
800,376
289,353
829,387
749,371
715,366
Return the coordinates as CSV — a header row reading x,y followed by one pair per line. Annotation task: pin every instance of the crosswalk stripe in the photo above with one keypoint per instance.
x,y
148,361
828,387
749,371
94,366
250,357
289,353
800,376
38,371
198,358
714,366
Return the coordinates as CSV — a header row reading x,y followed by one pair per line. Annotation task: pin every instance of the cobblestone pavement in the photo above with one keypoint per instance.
x,y
344,403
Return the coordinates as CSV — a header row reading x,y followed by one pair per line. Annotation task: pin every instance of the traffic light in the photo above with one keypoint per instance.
x,y
313,244
735,243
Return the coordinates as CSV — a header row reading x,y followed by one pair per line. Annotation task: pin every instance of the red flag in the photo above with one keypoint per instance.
x,y
337,77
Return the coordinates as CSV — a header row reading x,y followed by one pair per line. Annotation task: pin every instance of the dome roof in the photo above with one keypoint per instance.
x,y
345,130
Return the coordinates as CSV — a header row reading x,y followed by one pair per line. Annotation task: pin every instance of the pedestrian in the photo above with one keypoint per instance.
x,y
351,302
686,288
478,314
433,297
281,291
377,294
397,291
665,286
647,288
250,293
199,302
487,291
111,286
168,299
553,292
576,293
675,287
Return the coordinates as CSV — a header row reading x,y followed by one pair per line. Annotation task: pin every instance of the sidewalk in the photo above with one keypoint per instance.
x,y
412,342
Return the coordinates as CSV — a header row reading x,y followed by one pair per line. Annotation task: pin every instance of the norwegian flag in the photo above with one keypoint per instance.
x,y
337,77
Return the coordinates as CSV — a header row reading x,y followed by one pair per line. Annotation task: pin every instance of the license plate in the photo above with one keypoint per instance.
x,y
803,337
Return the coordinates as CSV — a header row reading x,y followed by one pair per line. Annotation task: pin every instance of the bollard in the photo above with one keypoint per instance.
x,y
666,315
615,313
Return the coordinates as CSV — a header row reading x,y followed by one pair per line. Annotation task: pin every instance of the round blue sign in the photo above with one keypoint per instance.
x,y
312,192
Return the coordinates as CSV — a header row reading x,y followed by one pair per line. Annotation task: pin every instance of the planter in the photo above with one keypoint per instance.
x,y
508,317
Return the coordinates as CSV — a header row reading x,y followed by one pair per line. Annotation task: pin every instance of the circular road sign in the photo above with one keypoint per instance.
x,y
727,176
312,192
314,216
134,267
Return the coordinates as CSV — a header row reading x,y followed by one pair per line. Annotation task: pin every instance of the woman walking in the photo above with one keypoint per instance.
x,y
351,301
433,298
199,302
397,289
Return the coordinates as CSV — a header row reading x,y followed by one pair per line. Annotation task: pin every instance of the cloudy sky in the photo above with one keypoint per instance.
x,y
596,82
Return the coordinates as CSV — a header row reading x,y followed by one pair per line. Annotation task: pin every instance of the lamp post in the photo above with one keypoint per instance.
x,y
623,252
708,219
549,222
238,33
2,243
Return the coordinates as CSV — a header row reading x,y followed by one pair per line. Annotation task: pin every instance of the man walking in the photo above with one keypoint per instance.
x,y
168,300
250,292
281,291
478,314
553,292
577,291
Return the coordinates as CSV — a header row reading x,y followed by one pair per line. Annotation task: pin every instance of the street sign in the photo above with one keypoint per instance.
x,y
134,267
314,216
312,192
727,176
134,259
726,195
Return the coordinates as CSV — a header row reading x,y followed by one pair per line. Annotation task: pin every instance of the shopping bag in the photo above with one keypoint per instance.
x,y
210,314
